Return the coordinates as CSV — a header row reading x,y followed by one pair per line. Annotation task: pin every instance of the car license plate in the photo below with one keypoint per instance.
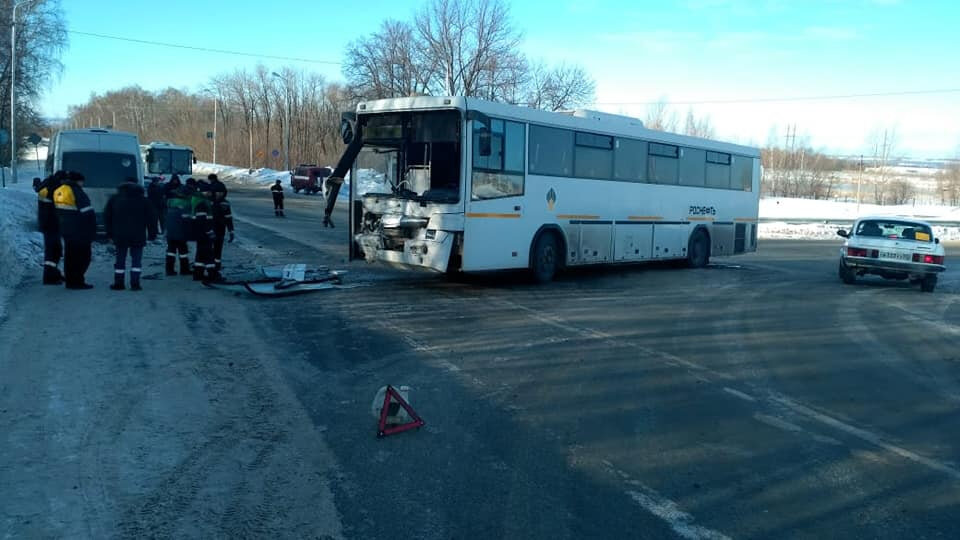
x,y
895,256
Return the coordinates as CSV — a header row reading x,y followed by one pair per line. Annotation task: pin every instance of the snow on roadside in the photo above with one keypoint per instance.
x,y
369,179
787,209
21,245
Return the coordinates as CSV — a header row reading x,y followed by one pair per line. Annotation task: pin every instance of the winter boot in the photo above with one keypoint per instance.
x,y
171,264
213,275
51,274
135,279
185,265
198,270
118,276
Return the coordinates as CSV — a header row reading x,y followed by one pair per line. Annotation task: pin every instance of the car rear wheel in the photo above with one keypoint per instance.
x,y
929,283
847,274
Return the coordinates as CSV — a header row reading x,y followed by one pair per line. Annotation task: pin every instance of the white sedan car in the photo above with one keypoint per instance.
x,y
892,248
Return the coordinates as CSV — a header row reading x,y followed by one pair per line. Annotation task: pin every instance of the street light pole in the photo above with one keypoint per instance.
x,y
13,91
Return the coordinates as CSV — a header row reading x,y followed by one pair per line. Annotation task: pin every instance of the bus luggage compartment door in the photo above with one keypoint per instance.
x,y
633,242
670,241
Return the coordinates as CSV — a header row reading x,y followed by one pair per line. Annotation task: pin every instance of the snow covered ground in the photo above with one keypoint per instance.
x,y
21,245
370,180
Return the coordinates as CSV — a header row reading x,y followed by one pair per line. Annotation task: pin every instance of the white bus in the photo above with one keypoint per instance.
x,y
471,185
105,157
164,159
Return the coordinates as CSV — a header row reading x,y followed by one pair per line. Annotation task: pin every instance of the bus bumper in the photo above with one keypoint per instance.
x,y
431,254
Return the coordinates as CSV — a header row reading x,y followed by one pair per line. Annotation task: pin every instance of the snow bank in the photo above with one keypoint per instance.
x,y
368,180
787,209
241,175
21,245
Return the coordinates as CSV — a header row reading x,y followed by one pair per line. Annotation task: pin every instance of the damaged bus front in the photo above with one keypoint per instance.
x,y
406,188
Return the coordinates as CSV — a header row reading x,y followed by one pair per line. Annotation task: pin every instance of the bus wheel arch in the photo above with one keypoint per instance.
x,y
547,253
698,247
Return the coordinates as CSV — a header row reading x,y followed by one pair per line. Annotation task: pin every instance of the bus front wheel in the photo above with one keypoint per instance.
x,y
545,258
698,250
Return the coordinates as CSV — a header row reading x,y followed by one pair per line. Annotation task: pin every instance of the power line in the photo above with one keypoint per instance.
x,y
792,98
203,49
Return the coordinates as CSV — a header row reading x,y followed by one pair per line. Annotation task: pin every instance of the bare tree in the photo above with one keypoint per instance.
x,y
698,127
561,88
459,47
948,184
388,63
41,39
660,117
882,144
901,191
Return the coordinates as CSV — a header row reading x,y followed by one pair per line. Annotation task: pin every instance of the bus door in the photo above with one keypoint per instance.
x,y
494,208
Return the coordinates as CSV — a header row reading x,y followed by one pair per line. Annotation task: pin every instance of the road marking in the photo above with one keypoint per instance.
x,y
705,374
681,522
739,394
867,436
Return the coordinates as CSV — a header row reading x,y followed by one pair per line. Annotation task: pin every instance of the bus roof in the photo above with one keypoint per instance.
x,y
96,140
581,119
167,145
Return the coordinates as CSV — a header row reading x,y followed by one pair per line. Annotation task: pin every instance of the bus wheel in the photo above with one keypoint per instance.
x,y
698,251
544,264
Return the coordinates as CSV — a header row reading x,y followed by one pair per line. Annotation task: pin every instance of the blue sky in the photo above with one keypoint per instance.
x,y
638,52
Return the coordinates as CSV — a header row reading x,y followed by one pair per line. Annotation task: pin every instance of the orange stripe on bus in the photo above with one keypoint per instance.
x,y
491,215
577,216
691,218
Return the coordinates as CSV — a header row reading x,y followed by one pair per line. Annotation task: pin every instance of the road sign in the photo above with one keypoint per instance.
x,y
34,138
260,154
275,153
209,134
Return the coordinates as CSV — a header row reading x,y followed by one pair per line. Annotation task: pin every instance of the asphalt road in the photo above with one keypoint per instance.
x,y
756,398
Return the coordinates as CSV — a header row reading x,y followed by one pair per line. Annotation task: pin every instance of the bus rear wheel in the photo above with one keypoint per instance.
x,y
545,258
698,250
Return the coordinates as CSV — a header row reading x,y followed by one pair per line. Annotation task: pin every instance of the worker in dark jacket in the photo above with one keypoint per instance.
x,y
178,223
129,219
222,224
155,196
78,226
203,234
277,192
50,227
216,185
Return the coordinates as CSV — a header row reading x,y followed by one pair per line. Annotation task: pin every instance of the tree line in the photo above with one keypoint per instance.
x,y
41,38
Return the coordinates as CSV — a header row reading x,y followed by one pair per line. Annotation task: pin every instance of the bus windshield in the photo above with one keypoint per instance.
x,y
101,169
165,161
411,155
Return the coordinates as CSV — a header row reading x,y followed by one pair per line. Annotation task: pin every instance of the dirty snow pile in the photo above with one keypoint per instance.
x,y
241,175
370,181
21,245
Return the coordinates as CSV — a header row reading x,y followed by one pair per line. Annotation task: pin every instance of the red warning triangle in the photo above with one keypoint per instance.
x,y
383,430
